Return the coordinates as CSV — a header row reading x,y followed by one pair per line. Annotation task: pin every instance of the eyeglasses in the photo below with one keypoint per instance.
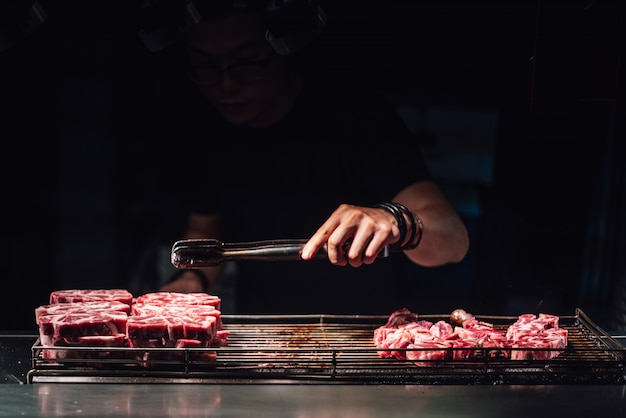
x,y
243,72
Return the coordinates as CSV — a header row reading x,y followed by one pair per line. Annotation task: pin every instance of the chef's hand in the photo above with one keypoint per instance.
x,y
353,235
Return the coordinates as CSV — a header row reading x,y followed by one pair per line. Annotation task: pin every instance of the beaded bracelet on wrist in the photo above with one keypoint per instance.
x,y
420,230
399,211
399,217
409,215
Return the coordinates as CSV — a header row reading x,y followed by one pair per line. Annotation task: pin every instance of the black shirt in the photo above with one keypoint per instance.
x,y
335,146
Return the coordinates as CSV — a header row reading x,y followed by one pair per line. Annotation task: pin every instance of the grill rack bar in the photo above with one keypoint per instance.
x,y
332,348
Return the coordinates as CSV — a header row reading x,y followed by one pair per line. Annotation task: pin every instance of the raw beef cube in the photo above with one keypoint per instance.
x,y
146,331
176,298
87,307
79,324
459,354
165,330
146,309
427,353
86,295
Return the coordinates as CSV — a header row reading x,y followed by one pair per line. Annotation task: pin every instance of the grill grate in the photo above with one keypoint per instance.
x,y
332,348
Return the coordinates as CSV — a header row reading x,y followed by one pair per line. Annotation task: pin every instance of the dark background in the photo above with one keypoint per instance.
x,y
518,106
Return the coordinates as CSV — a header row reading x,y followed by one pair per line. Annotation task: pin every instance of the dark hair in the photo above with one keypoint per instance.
x,y
209,9
291,24
281,16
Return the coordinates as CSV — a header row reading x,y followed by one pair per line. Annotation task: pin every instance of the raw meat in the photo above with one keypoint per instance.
x,y
71,326
82,318
55,350
174,298
531,337
152,331
86,295
147,309
406,337
80,329
76,307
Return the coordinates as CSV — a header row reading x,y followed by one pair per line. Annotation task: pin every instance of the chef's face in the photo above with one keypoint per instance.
x,y
238,71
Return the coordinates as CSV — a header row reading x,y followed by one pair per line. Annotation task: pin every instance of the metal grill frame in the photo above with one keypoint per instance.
x,y
331,349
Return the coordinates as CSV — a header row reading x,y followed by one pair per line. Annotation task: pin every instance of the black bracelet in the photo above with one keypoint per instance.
x,y
199,274
410,216
397,214
420,232
398,210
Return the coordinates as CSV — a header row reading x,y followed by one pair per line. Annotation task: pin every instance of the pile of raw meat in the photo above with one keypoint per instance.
x,y
407,337
114,318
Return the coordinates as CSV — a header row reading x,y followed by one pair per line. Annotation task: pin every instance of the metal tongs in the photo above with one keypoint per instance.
x,y
197,253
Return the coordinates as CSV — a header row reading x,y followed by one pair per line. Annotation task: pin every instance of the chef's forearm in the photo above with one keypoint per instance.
x,y
444,239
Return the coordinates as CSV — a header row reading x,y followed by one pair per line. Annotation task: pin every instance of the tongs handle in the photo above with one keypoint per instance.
x,y
197,253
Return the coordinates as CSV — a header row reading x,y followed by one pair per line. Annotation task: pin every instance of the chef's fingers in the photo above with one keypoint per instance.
x,y
323,234
361,242
359,246
365,250
319,239
375,246
353,235
370,237
338,245
353,252
344,246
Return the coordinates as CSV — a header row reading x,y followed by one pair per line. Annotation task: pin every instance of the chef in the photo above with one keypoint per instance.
x,y
274,150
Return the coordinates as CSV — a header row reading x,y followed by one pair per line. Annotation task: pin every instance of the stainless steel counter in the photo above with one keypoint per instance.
x,y
276,400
